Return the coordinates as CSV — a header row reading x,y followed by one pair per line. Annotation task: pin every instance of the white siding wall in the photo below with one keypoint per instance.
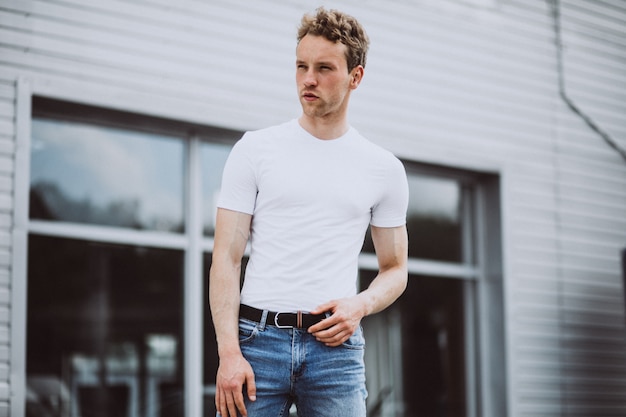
x,y
590,203
447,82
7,149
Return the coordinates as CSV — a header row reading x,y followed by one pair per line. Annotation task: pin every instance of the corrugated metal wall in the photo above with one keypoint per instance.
x,y
590,194
464,83
7,150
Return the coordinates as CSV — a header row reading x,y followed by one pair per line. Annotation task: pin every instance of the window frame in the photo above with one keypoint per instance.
x,y
481,273
191,241
485,274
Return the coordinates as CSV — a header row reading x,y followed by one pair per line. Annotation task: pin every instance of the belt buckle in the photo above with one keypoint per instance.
x,y
278,325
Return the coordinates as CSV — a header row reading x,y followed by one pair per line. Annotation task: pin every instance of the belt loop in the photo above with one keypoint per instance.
x,y
299,320
263,320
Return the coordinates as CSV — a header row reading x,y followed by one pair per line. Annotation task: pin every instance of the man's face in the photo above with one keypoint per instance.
x,y
322,77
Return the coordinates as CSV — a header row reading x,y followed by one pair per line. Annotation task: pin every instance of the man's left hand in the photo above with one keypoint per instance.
x,y
346,315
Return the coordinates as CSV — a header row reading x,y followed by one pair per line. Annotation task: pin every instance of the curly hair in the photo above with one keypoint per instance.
x,y
337,27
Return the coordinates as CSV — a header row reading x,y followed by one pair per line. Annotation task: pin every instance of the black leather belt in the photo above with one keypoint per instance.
x,y
297,320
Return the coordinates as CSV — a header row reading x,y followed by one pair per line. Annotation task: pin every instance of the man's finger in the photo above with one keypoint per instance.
x,y
217,399
241,406
323,308
232,407
325,324
251,385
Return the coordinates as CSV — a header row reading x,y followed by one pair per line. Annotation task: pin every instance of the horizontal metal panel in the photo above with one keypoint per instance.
x,y
590,291
7,128
7,91
6,184
5,276
7,144
590,16
607,279
6,221
5,317
5,261
6,164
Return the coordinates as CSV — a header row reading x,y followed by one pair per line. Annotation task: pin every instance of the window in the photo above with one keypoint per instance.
x,y
121,212
434,218
105,329
108,176
424,352
121,223
213,157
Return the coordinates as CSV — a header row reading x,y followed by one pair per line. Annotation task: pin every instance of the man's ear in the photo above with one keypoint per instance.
x,y
356,75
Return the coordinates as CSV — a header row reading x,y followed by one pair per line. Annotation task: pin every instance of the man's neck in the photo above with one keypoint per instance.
x,y
324,129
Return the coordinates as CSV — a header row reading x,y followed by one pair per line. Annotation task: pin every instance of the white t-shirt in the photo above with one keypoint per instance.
x,y
311,202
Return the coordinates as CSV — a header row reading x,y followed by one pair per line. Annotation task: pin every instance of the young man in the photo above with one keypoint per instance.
x,y
303,193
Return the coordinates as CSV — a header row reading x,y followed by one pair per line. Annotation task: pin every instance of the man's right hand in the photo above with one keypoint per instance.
x,y
233,373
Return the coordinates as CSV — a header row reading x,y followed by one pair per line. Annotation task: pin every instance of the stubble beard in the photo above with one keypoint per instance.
x,y
320,109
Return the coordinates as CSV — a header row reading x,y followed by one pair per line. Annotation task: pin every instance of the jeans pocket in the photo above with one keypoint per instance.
x,y
247,331
356,341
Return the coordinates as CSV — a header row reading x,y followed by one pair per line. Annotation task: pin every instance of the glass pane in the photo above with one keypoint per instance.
x,y
105,329
213,157
425,328
433,347
92,174
433,219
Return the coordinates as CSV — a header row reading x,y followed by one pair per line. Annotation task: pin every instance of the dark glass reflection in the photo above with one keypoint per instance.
x,y
433,219
210,347
433,347
431,336
105,330
213,157
100,175
211,360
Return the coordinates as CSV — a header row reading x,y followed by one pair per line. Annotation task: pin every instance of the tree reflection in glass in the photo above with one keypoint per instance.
x,y
86,173
434,219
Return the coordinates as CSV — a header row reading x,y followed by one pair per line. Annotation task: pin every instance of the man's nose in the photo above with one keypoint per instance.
x,y
310,79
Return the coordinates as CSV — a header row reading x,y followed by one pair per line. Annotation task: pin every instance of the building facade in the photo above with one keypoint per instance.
x,y
116,118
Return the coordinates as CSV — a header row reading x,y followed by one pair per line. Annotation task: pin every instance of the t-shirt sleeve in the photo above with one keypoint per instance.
x,y
239,185
392,208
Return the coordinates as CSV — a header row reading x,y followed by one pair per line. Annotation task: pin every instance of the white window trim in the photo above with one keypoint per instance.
x,y
19,233
426,267
193,299
191,242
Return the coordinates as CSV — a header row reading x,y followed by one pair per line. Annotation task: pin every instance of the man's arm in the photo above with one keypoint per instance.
x,y
391,245
231,236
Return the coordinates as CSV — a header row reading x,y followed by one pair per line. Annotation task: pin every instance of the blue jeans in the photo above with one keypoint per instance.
x,y
291,366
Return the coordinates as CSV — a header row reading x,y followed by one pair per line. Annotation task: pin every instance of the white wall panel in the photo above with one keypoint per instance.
x,y
7,140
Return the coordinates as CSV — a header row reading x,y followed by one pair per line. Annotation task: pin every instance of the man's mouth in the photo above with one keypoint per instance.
x,y
309,96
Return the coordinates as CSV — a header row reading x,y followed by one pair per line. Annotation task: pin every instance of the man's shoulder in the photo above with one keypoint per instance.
x,y
374,149
270,132
262,140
